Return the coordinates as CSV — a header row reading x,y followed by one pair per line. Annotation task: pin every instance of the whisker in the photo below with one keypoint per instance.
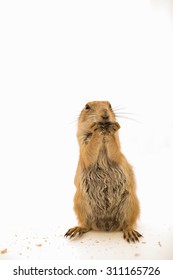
x,y
91,116
125,113
119,112
127,118
74,121
77,118
118,108
122,111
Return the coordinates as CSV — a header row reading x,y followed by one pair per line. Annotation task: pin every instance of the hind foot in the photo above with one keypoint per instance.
x,y
131,235
76,231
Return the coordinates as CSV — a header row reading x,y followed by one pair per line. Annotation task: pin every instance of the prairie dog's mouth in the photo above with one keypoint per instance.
x,y
104,124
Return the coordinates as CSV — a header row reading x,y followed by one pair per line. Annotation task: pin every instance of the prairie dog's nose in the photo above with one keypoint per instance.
x,y
105,115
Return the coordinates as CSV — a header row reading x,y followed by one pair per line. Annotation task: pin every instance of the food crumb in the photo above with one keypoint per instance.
x,y
4,251
160,244
143,242
136,255
38,245
97,241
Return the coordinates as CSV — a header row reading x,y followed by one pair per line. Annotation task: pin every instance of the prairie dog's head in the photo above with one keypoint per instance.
x,y
95,112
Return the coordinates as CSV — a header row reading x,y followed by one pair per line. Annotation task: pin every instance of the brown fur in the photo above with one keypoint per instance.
x,y
105,197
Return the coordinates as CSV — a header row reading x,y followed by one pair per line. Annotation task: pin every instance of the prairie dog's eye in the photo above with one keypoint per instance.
x,y
110,107
87,107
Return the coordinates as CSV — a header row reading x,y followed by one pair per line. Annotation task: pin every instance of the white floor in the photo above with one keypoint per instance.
x,y
156,244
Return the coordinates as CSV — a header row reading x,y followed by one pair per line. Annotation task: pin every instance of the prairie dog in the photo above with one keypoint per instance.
x,y
105,197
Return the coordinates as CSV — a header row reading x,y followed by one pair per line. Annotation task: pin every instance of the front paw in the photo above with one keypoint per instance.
x,y
96,128
116,126
105,128
109,128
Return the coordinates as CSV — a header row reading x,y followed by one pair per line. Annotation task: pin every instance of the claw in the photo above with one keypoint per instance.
x,y
131,235
133,239
73,232
138,234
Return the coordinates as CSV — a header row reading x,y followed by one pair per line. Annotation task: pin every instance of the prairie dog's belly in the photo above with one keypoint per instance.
x,y
105,193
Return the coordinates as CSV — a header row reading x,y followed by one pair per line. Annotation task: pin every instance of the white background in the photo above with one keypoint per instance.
x,y
54,57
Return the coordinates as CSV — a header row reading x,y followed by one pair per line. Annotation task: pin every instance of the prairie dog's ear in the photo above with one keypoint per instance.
x,y
117,126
